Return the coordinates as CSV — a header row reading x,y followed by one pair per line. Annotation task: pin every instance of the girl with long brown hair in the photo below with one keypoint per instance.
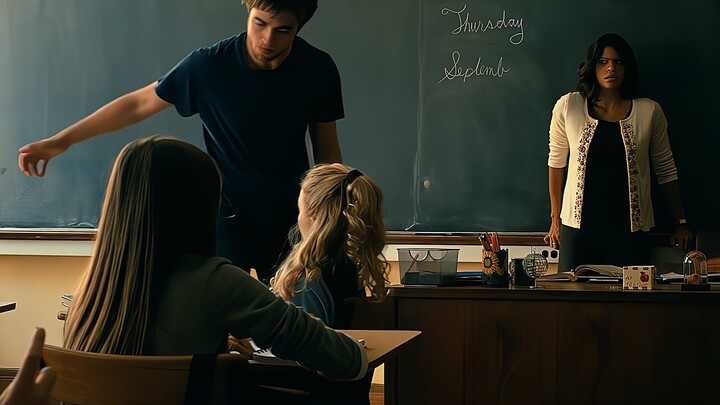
x,y
155,286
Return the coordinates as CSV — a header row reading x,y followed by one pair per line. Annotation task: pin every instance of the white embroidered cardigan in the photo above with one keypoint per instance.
x,y
644,134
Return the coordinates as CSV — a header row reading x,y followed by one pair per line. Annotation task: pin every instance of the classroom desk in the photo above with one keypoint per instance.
x,y
381,346
567,344
6,306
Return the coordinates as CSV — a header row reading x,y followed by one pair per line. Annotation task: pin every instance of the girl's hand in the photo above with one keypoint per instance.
x,y
241,347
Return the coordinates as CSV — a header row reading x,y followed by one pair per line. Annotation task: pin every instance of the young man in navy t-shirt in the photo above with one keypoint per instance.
x,y
257,94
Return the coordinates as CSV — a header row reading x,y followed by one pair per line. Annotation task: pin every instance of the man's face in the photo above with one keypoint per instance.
x,y
270,37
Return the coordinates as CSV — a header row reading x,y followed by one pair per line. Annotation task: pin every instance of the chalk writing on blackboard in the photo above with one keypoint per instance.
x,y
477,67
465,25
457,71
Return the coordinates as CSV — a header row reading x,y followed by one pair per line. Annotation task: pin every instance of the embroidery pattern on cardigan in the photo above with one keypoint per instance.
x,y
587,133
628,134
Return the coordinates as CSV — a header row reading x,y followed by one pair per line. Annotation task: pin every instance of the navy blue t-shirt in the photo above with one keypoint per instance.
x,y
254,121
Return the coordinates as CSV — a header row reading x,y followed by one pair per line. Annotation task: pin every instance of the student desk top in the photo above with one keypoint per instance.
x,y
381,346
7,306
570,343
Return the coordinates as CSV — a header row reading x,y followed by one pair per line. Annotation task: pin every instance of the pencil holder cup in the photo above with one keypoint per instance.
x,y
495,268
428,266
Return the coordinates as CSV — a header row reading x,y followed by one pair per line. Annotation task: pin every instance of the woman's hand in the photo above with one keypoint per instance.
x,y
241,347
681,238
553,236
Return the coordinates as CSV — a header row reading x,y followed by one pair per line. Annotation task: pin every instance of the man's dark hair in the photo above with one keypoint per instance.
x,y
587,82
303,9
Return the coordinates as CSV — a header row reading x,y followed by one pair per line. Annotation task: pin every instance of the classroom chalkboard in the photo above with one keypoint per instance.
x,y
447,102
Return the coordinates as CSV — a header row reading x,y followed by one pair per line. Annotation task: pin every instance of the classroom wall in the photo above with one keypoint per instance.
x,y
35,283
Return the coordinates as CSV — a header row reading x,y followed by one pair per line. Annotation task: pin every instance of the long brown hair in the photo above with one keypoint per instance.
x,y
344,226
161,202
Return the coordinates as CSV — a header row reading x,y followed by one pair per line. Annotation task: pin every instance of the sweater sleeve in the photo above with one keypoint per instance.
x,y
557,158
660,153
249,309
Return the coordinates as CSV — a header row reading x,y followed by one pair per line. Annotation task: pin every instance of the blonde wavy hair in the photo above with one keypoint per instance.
x,y
350,226
161,202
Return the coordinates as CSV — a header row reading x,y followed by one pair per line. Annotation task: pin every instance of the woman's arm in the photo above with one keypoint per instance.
x,y
248,309
682,235
556,180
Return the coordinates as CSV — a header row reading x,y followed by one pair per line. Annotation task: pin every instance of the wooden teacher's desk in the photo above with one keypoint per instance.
x,y
567,344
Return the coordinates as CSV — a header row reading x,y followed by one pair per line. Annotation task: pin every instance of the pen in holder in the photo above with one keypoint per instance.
x,y
495,268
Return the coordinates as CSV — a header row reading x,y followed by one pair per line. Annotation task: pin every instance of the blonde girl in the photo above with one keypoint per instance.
x,y
339,251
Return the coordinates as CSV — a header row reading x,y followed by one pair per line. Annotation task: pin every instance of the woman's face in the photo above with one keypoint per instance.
x,y
610,69
305,221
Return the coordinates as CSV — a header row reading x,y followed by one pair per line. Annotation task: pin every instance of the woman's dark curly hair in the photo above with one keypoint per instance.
x,y
587,83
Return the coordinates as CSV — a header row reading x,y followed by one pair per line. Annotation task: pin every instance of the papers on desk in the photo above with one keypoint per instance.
x,y
266,356
672,277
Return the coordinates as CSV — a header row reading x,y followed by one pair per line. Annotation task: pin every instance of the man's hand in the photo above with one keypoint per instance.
x,y
34,157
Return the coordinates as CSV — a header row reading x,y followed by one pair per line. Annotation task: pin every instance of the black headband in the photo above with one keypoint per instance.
x,y
351,176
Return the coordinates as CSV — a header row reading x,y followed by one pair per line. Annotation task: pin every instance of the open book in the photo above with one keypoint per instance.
x,y
587,272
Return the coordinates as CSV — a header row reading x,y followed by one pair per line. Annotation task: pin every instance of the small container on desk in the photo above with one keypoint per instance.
x,y
428,266
638,277
695,272
495,268
519,276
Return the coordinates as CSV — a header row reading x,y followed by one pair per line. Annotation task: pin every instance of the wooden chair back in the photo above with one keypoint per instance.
x,y
91,378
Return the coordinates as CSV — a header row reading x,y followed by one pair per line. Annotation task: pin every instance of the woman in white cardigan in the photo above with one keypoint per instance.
x,y
606,138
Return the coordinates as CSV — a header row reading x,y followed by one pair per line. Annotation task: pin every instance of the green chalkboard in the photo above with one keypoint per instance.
x,y
447,102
